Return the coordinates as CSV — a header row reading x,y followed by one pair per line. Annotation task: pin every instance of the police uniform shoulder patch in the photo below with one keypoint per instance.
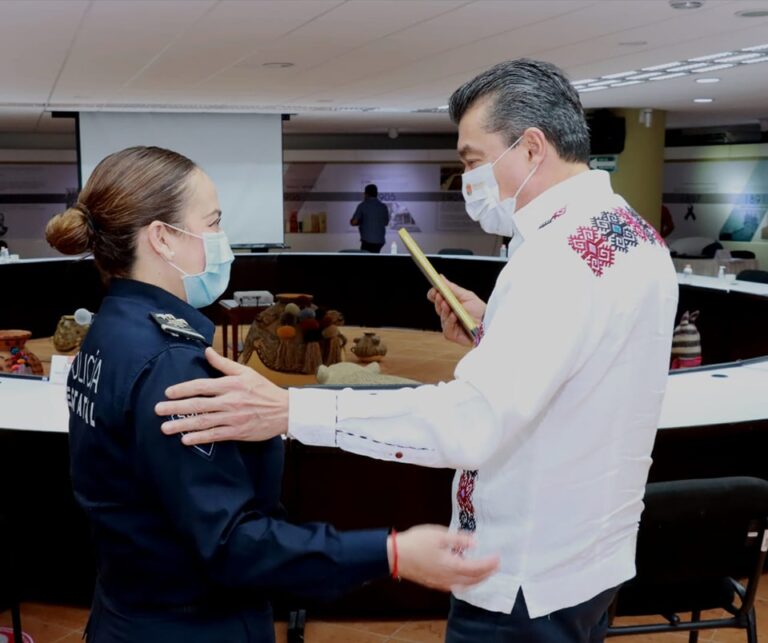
x,y
175,326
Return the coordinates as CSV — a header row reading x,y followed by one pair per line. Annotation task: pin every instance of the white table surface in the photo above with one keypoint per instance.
x,y
711,267
715,283
704,397
694,398
33,405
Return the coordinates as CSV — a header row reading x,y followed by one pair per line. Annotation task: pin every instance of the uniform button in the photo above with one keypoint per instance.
x,y
399,455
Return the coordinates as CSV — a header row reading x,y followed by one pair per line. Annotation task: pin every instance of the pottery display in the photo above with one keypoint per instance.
x,y
295,336
369,348
69,334
14,358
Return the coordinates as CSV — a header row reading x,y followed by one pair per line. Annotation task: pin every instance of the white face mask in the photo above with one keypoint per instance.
x,y
483,202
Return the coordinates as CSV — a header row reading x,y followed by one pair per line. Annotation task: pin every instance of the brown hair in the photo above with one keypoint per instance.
x,y
126,191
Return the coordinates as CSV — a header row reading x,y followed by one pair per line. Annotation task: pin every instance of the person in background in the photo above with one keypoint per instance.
x,y
552,416
190,541
372,217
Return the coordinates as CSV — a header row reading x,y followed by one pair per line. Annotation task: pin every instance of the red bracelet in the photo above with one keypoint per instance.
x,y
394,555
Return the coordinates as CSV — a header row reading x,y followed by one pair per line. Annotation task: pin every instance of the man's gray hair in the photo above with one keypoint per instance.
x,y
527,93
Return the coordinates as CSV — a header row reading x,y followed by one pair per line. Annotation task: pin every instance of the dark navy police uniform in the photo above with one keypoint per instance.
x,y
189,541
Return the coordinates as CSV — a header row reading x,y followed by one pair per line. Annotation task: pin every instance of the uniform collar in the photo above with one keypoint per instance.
x,y
531,217
158,300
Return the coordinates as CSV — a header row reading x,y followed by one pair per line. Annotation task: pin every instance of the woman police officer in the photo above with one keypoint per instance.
x,y
190,544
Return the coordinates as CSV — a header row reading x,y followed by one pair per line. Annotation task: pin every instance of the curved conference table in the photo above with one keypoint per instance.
x,y
714,421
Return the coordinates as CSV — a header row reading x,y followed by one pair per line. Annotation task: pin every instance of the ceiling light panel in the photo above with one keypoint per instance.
x,y
669,76
667,71
737,57
708,68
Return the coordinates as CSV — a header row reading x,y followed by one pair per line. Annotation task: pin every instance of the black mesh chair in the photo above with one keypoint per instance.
x,y
9,584
455,251
696,538
760,276
742,254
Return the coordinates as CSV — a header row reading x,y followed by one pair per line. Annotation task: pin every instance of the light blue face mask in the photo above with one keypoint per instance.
x,y
206,287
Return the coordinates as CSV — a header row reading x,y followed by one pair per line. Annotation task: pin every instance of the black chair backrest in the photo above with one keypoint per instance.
x,y
760,276
701,529
742,254
455,251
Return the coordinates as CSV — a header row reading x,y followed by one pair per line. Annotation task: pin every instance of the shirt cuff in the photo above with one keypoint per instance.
x,y
312,416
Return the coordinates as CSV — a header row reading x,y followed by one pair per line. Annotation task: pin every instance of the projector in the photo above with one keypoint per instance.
x,y
247,298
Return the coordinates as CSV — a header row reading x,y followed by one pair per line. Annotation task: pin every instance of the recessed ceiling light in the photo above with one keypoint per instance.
x,y
703,100
762,59
277,65
591,89
752,13
706,81
633,43
756,48
686,4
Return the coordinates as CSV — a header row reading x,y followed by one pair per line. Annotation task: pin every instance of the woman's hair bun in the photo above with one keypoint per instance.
x,y
69,232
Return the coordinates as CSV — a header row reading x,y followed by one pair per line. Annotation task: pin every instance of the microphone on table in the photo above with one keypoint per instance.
x,y
84,317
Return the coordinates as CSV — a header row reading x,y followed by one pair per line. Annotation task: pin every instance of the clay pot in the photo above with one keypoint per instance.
x,y
369,348
69,334
10,339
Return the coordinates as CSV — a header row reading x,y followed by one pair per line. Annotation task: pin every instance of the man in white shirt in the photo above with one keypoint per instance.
x,y
551,418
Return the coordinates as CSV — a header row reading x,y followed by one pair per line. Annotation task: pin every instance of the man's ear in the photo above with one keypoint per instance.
x,y
158,236
536,145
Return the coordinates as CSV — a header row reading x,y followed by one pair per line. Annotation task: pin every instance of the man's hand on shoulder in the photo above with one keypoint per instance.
x,y
242,405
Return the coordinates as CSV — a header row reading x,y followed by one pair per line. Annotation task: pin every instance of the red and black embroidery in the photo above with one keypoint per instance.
x,y
464,500
554,217
617,230
593,248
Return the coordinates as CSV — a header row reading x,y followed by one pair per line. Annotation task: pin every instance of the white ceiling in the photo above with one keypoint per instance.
x,y
391,56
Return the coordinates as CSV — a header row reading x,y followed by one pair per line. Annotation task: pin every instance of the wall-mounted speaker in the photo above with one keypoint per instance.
x,y
607,132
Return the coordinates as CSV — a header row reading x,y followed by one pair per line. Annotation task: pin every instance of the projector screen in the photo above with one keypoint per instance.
x,y
242,153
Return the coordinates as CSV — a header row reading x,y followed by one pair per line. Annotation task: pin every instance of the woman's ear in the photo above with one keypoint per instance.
x,y
158,236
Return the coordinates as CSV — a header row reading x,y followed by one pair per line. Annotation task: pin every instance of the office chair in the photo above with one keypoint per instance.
x,y
696,537
455,251
759,276
9,584
742,254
